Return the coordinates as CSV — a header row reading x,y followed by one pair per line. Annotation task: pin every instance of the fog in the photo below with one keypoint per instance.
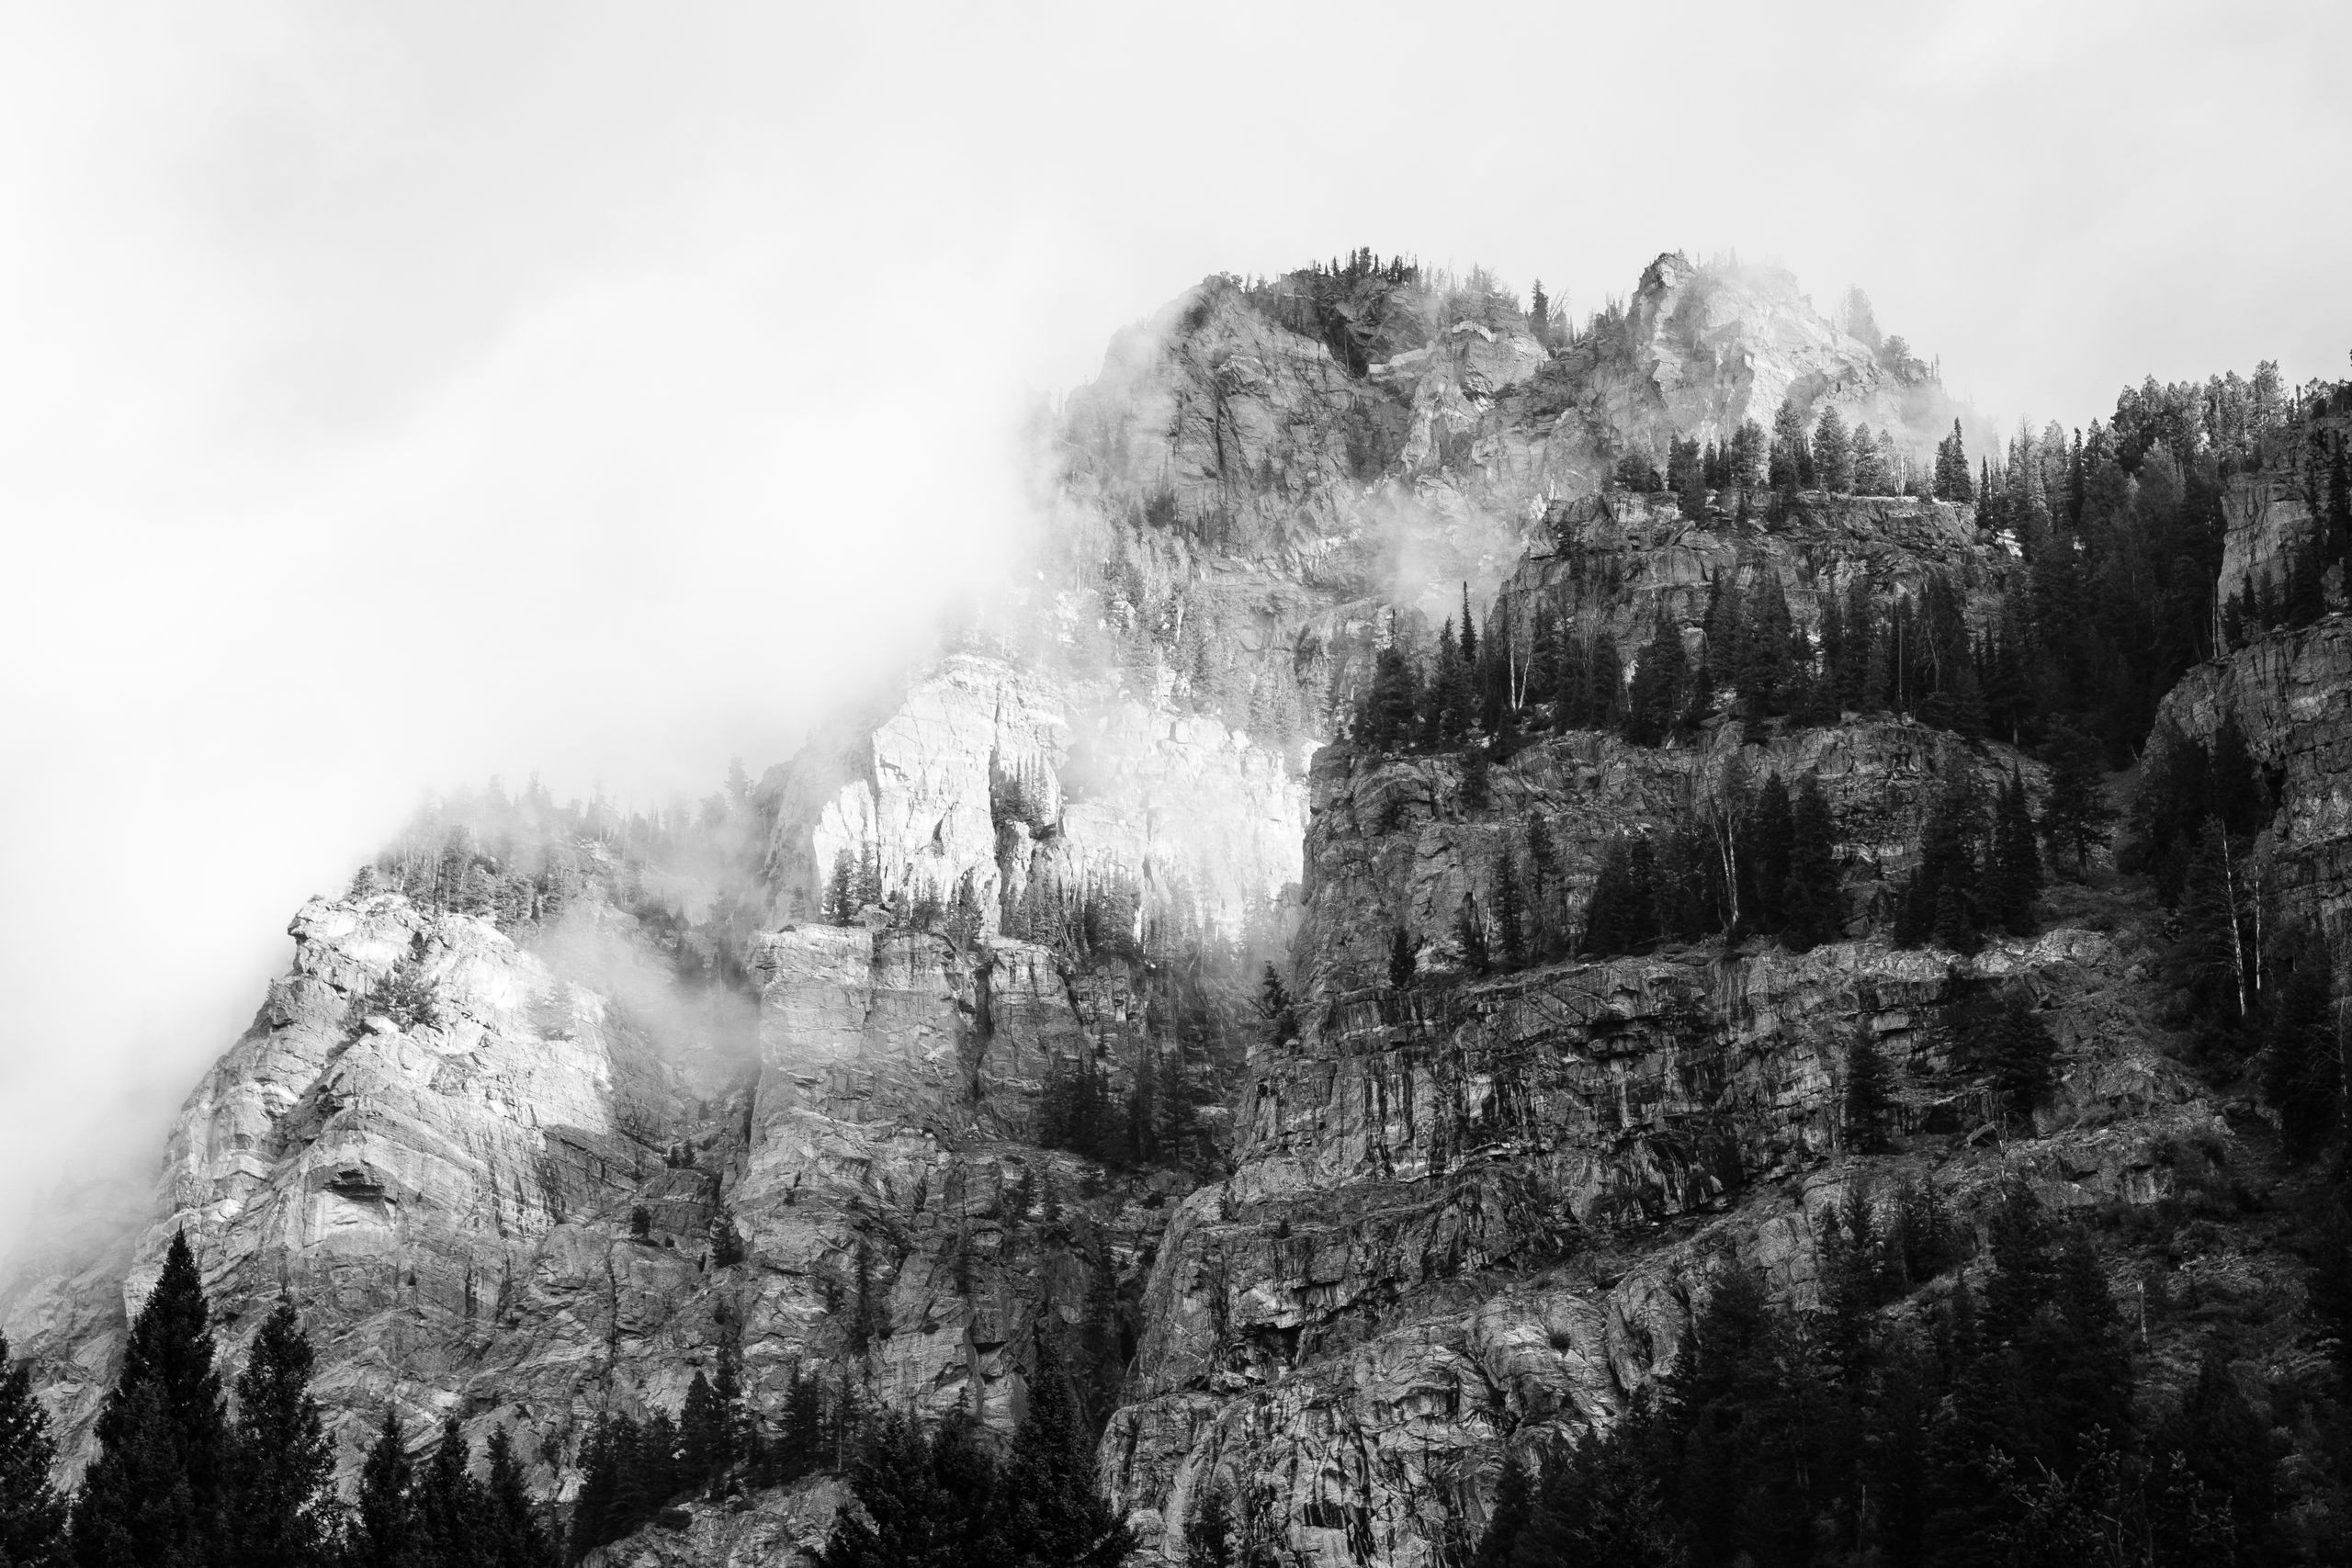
x,y
391,400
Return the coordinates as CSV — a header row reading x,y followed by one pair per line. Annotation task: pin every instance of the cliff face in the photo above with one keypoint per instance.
x,y
2290,694
1432,1224
1475,1219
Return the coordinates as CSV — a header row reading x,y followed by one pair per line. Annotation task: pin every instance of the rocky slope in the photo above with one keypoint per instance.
x,y
1433,1224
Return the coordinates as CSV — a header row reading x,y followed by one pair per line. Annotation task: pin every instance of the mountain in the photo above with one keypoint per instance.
x,y
955,1025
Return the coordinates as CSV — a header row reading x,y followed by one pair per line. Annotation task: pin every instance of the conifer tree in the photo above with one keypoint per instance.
x,y
515,1536
1510,912
2015,880
1274,1007
705,1437
2074,813
840,892
1833,453
32,1514
1811,905
382,1528
2303,1075
1866,1098
1770,832
153,1495
1791,458
445,1504
1208,1533
1655,700
1054,1513
282,1472
1514,1499
1470,937
1403,961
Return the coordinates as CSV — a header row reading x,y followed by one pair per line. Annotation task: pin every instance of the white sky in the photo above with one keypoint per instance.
x,y
390,398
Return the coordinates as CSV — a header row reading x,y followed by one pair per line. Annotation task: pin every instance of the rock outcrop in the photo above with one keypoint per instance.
x,y
492,1164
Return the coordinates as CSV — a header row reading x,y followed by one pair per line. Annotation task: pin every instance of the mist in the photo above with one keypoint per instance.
x,y
395,400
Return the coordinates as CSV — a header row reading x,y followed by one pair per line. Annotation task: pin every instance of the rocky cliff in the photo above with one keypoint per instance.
x,y
1433,1224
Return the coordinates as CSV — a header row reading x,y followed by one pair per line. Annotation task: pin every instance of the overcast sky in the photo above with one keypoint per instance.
x,y
390,399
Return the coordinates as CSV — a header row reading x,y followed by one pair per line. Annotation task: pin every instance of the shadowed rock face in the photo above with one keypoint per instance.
x,y
1430,1226
2291,692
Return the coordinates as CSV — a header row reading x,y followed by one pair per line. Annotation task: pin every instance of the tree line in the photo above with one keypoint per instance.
x,y
189,1475
2006,1424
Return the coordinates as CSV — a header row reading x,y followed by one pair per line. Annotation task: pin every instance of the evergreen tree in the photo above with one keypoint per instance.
x,y
840,892
32,1515
1621,916
2002,1037
282,1469
1655,700
1811,905
1870,472
1791,458
1470,937
1769,829
1510,912
1209,1534
1274,1007
2014,883
445,1508
2303,1074
515,1536
1514,1499
1833,453
1941,901
705,1438
1600,1504
2075,812
897,1519
1391,705
153,1493
383,1530
1403,961
1053,1514
1866,1098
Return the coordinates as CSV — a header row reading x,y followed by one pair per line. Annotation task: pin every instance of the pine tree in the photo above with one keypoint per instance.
x,y
284,1510
1770,833
153,1495
1622,915
383,1530
2074,813
1791,458
1054,1513
897,1519
32,1514
1403,961
1274,1007
1655,703
1811,905
515,1536
446,1504
1507,1521
840,892
1510,912
1470,937
2304,1076
1384,721
1208,1533
706,1440
1866,1098
2015,876
1833,453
